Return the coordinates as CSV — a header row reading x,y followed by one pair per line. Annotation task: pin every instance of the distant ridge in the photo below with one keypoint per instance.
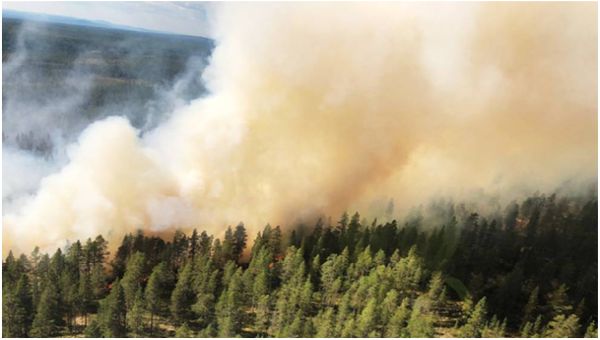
x,y
60,19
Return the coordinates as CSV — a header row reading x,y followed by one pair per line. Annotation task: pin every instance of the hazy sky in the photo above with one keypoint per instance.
x,y
177,17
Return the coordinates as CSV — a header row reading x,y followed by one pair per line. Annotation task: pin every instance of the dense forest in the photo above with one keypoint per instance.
x,y
527,269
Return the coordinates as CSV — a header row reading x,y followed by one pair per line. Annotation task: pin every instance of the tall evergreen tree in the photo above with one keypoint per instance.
x,y
135,315
156,293
563,327
183,296
112,312
45,322
132,280
229,308
476,322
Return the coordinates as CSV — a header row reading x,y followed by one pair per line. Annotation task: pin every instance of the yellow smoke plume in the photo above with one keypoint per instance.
x,y
317,108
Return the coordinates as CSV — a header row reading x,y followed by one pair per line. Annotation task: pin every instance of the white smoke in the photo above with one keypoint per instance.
x,y
317,108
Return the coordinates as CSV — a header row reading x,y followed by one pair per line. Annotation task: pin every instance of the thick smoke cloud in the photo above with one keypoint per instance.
x,y
57,80
319,108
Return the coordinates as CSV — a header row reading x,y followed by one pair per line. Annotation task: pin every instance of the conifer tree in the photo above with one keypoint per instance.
x,y
324,322
205,244
8,315
85,295
420,324
396,327
368,319
45,323
228,246
112,313
563,327
135,315
527,330
194,244
263,314
183,296
436,287
10,269
530,308
558,300
23,308
205,283
98,280
476,321
229,308
132,280
240,237
39,269
157,299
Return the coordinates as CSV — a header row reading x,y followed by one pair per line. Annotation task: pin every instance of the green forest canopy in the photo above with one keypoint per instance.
x,y
527,270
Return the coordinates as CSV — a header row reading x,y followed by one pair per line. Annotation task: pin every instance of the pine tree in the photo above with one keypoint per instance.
x,y
324,322
23,308
179,247
240,238
348,328
530,308
194,244
420,324
135,315
183,296
527,330
368,319
218,254
229,308
39,269
85,296
263,315
8,315
559,301
157,301
205,283
537,326
494,329
476,321
563,327
44,323
437,291
132,280
98,280
111,315
10,269
396,327
205,244
69,288
228,246
294,294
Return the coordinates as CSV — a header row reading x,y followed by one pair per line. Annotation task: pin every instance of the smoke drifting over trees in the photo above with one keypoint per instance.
x,y
529,270
318,108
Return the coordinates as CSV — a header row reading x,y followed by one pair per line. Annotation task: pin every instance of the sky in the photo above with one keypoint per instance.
x,y
175,17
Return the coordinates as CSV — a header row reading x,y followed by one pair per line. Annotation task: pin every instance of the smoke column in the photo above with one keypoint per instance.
x,y
318,108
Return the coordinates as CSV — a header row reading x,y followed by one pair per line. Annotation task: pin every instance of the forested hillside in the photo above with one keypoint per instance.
x,y
74,75
528,269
